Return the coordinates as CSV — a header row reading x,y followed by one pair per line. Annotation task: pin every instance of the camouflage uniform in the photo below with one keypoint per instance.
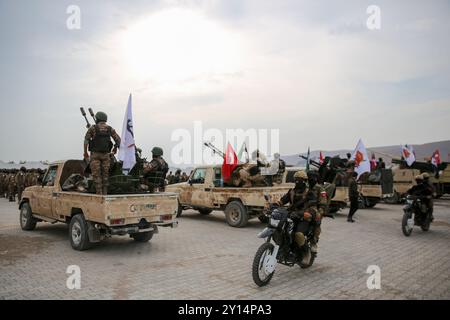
x,y
20,180
322,209
12,187
2,184
100,133
155,173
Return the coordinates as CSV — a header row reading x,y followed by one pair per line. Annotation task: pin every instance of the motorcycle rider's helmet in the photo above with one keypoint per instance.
x,y
300,175
419,178
425,176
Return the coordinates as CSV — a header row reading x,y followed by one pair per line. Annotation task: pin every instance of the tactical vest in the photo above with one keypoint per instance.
x,y
102,141
158,176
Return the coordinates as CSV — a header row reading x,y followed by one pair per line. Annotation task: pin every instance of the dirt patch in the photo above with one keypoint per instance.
x,y
14,247
440,223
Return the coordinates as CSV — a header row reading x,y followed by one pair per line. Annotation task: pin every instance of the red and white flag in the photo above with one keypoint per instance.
x,y
230,162
361,158
321,158
436,158
408,154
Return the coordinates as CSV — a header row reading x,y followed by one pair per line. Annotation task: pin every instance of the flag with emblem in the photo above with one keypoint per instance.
x,y
408,154
436,158
127,151
361,158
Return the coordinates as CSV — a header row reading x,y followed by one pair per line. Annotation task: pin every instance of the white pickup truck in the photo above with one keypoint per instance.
x,y
92,217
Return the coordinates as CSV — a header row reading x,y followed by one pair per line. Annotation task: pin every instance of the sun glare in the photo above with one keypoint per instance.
x,y
179,44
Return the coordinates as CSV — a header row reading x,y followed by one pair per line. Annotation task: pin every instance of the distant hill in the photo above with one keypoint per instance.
x,y
387,153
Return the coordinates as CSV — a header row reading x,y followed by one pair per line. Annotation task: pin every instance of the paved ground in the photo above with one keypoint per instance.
x,y
206,259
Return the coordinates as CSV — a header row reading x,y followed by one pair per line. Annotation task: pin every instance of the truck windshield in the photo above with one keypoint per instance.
x,y
198,176
49,179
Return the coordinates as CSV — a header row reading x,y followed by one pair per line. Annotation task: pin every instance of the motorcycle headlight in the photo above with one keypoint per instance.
x,y
274,222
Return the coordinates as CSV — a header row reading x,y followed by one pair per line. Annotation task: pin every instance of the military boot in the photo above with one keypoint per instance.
x,y
314,247
306,256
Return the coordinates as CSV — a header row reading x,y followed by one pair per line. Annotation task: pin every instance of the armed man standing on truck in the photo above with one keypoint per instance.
x,y
98,138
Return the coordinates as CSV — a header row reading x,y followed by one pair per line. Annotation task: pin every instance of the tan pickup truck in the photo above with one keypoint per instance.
x,y
92,217
205,192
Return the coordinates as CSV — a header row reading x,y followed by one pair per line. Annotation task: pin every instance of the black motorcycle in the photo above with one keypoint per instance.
x,y
279,246
415,213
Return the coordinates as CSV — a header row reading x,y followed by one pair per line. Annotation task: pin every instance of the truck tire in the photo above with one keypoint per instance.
x,y
142,236
204,212
179,210
78,233
27,222
236,214
395,199
370,203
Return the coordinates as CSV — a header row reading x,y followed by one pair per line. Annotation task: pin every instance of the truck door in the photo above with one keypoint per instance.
x,y
43,201
200,188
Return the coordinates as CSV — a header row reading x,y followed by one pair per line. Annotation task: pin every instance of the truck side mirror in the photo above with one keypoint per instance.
x,y
190,182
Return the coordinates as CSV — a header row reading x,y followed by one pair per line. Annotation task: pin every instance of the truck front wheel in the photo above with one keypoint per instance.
x,y
236,214
78,234
142,236
27,222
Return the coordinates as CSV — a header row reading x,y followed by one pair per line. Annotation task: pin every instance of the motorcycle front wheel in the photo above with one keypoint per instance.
x,y
260,275
407,228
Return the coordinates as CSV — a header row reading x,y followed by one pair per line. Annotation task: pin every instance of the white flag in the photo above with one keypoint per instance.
x,y
361,158
408,154
127,152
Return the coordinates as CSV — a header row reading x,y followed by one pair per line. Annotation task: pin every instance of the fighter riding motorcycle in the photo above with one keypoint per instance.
x,y
415,213
279,246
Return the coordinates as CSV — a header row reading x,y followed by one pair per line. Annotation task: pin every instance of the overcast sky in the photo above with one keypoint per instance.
x,y
311,69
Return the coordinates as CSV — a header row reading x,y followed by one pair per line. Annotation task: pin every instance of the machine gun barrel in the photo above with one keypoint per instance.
x,y
83,113
214,149
91,112
314,163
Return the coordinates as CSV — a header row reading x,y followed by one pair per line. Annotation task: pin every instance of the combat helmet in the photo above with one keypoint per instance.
x,y
101,117
157,151
425,176
300,175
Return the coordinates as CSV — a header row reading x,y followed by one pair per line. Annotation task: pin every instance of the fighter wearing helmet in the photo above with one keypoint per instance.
x,y
98,139
156,170
423,190
303,208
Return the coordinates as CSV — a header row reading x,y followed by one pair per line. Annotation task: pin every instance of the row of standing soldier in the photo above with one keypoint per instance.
x,y
13,182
